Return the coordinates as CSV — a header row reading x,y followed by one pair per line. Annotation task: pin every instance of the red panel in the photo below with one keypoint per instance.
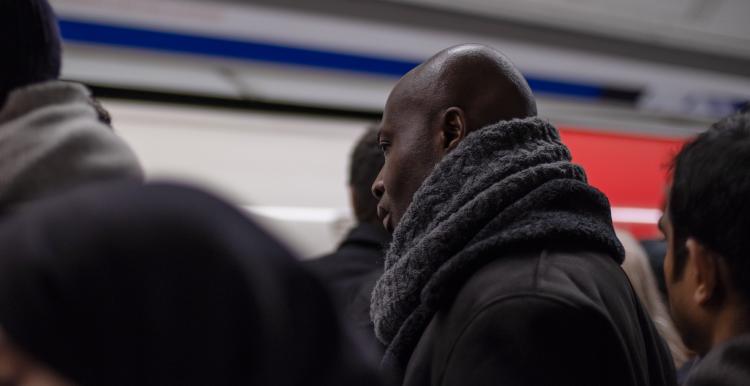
x,y
630,169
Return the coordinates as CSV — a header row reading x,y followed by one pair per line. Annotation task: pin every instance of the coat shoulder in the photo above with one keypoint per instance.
x,y
511,338
577,278
528,315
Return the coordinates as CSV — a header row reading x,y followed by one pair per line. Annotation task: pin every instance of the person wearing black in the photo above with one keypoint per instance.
x,y
504,267
707,267
126,284
351,271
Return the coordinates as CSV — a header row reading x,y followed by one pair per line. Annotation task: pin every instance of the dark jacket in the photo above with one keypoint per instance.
x,y
542,318
359,255
504,270
727,365
351,272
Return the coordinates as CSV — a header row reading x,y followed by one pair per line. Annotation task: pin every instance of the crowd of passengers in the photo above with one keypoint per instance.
x,y
481,254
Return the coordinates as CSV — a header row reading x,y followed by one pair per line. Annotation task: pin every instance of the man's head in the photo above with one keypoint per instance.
x,y
432,109
707,225
30,43
365,164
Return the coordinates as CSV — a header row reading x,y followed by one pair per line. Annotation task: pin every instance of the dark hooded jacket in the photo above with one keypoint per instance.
x,y
164,285
505,270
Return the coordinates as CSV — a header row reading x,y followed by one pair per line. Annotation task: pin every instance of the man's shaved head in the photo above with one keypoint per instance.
x,y
474,77
433,107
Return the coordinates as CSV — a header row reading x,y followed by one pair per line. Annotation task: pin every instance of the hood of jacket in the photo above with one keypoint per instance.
x,y
52,139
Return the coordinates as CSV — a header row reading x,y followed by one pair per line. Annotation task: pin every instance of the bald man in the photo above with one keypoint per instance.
x,y
504,267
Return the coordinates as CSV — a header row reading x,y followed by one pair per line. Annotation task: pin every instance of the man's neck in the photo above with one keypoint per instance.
x,y
731,323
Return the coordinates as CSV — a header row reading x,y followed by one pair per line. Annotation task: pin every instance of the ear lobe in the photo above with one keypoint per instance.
x,y
706,271
453,128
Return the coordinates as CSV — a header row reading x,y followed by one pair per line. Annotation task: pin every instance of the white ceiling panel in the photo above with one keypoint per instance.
x,y
715,26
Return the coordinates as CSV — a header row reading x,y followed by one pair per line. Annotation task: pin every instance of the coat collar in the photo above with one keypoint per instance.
x,y
366,234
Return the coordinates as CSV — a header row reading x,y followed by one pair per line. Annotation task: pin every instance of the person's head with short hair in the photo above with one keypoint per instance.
x,y
432,109
707,225
30,43
364,165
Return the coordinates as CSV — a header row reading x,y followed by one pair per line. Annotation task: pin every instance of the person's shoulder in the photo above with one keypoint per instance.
x,y
359,254
541,309
533,280
523,338
344,266
324,265
572,276
726,365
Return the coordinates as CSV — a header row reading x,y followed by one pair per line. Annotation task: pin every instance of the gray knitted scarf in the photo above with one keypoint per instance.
x,y
507,185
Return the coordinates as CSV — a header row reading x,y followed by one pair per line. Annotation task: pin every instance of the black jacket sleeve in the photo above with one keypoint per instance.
x,y
530,340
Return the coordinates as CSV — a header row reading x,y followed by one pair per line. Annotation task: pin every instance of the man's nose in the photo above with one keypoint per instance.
x,y
378,188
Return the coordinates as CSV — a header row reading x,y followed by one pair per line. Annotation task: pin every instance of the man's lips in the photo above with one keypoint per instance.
x,y
385,216
387,223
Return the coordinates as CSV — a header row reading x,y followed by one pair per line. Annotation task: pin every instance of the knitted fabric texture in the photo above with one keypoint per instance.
x,y
507,185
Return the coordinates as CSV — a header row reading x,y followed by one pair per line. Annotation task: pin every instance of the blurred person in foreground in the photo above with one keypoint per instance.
x,y
707,267
638,268
351,271
53,135
126,284
504,267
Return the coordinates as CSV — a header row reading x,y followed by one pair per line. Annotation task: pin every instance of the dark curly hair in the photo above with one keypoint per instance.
x,y
710,196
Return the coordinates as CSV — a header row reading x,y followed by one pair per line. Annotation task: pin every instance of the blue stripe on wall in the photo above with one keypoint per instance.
x,y
88,32
578,90
123,36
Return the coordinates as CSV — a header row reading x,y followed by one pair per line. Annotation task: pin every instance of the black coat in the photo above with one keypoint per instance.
x,y
727,365
351,272
542,318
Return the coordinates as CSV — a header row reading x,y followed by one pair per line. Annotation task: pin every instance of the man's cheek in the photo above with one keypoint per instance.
x,y
667,267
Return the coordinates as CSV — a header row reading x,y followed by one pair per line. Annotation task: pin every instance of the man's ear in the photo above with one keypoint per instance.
x,y
706,271
453,125
352,197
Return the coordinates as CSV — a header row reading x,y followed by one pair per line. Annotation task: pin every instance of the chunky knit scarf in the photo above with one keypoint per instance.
x,y
507,185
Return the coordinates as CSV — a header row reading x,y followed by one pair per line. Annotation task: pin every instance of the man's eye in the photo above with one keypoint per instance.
x,y
384,146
